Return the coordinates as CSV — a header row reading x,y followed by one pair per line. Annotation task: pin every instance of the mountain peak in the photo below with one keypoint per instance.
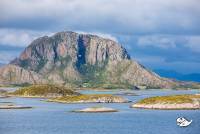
x,y
81,48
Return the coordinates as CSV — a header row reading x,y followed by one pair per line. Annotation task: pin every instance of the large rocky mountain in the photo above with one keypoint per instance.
x,y
80,60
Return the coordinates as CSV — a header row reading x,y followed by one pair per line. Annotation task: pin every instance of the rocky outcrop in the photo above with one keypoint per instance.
x,y
43,91
11,74
96,110
47,53
131,72
174,102
90,98
12,106
81,60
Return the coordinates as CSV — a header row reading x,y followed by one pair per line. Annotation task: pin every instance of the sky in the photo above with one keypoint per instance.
x,y
160,34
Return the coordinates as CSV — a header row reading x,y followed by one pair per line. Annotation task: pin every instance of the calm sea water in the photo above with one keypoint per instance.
x,y
56,118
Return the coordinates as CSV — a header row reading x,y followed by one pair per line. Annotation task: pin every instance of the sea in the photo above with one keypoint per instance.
x,y
58,118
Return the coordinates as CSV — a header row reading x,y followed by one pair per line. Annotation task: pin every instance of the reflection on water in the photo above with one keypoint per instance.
x,y
56,118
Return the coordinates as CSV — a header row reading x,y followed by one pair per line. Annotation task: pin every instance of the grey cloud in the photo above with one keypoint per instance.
x,y
19,38
113,16
170,42
7,56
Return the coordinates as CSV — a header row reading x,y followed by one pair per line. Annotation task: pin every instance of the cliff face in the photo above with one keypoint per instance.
x,y
12,74
70,58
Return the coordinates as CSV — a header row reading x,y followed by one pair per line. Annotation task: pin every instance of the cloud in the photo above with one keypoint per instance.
x,y
103,35
165,49
161,41
194,43
7,56
159,62
20,38
170,42
113,16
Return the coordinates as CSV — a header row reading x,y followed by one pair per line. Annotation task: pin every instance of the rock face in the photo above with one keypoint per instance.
x,y
12,74
80,60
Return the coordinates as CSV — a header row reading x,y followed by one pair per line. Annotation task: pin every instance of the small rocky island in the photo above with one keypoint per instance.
x,y
173,102
90,98
63,95
11,106
43,91
96,110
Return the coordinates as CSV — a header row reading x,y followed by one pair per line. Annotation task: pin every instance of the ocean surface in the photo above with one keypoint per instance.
x,y
57,118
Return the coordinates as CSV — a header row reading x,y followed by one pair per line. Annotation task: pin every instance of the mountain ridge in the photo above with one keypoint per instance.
x,y
179,76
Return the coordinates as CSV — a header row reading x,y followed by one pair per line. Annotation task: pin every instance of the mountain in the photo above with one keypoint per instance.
x,y
173,74
11,74
80,60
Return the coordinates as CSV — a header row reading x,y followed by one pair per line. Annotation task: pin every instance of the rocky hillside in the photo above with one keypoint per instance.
x,y
80,60
14,75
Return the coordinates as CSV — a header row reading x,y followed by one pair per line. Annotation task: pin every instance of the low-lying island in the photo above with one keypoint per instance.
x,y
64,95
14,107
173,102
96,110
90,98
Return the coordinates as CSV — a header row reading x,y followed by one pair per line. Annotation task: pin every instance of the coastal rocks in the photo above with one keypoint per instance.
x,y
168,106
96,110
11,106
90,98
3,96
44,91
174,102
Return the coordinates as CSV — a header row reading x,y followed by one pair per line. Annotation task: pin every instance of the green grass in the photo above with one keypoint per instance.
x,y
44,90
174,99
